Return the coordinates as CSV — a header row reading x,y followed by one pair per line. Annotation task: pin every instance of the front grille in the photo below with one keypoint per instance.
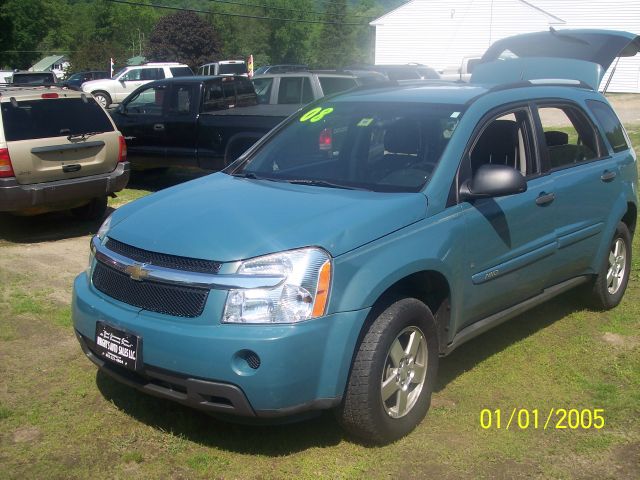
x,y
162,259
153,296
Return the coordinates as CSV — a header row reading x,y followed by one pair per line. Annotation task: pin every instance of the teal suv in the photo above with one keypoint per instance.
x,y
372,232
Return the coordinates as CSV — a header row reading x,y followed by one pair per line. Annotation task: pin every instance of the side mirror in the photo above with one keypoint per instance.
x,y
493,181
121,110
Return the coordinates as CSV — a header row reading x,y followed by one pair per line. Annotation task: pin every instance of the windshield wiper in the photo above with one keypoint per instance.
x,y
80,136
250,175
321,183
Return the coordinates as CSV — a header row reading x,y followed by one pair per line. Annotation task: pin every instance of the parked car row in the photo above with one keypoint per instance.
x,y
369,234
363,237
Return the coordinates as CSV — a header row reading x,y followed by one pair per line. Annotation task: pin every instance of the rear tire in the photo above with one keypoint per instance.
x,y
94,210
393,374
102,98
611,282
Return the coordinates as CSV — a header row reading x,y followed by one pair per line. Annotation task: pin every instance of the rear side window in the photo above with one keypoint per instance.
x,y
569,136
152,74
336,84
181,71
213,97
53,118
294,90
610,124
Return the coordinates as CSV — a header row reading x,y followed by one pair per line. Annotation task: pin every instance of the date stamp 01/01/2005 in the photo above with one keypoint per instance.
x,y
554,419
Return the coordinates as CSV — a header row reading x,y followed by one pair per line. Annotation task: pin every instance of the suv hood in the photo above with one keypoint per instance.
x,y
582,55
92,85
223,218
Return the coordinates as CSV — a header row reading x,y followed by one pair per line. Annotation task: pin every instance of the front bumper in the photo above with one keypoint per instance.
x,y
200,363
15,197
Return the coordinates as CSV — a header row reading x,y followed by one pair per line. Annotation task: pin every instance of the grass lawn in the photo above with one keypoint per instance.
x,y
60,418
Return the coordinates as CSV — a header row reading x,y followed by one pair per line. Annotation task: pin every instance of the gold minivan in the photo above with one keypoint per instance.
x,y
59,150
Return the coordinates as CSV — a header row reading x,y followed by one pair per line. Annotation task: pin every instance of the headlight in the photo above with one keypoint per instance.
x,y
102,234
303,294
104,229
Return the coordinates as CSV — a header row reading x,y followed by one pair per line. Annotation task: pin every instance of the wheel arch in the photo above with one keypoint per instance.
x,y
622,211
630,217
430,286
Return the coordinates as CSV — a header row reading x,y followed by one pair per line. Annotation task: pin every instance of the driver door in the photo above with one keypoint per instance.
x,y
141,122
126,84
510,240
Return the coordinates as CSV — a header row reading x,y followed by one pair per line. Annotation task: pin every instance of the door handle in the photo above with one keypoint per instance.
x,y
545,199
608,176
158,127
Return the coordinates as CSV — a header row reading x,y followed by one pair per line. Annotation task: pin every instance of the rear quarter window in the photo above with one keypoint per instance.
x,y
336,84
181,71
47,118
610,124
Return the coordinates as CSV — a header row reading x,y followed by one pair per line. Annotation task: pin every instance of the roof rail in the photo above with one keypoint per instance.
x,y
542,82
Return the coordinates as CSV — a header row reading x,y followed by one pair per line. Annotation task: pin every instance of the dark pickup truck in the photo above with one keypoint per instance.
x,y
204,122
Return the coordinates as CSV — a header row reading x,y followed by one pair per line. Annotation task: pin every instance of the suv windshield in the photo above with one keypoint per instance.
x,y
33,78
53,118
375,146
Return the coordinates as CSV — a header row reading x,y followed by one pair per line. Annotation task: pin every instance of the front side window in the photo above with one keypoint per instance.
x,y
375,146
182,100
610,124
263,89
569,136
148,101
504,140
131,75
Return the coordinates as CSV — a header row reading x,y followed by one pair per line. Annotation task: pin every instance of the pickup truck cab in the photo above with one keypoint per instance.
x,y
203,121
333,263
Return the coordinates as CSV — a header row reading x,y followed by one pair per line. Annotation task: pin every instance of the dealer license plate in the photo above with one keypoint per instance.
x,y
117,346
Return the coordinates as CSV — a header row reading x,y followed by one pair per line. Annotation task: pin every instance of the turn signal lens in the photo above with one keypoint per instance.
x,y
122,152
6,169
322,291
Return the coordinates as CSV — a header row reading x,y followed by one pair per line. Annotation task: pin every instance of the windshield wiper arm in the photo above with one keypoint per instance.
x,y
322,183
81,136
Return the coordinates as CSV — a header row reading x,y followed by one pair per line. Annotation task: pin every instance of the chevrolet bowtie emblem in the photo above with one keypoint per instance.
x,y
137,272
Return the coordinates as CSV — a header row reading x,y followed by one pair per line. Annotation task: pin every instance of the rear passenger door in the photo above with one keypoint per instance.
x,y
586,183
510,240
295,90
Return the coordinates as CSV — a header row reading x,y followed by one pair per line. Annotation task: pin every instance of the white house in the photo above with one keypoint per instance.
x,y
439,33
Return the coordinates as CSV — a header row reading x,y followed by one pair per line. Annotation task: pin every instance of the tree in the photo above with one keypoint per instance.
x,y
334,48
183,37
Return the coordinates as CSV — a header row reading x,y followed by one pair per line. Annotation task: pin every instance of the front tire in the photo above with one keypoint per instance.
x,y
611,282
393,374
103,99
